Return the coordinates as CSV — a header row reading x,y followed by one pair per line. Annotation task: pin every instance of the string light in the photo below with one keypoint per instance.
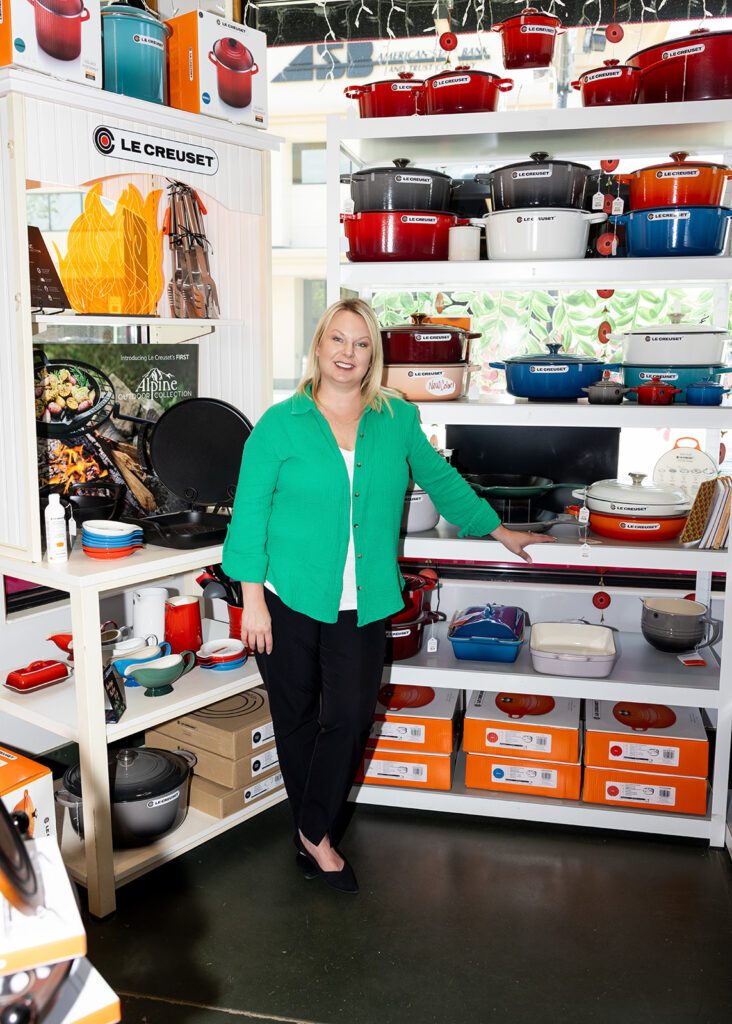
x,y
363,7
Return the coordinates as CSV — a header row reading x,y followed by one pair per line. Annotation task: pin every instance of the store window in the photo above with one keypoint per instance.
x,y
309,163
54,211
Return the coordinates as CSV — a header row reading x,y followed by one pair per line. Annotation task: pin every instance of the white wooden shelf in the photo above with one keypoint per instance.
x,y
130,864
100,320
640,673
461,800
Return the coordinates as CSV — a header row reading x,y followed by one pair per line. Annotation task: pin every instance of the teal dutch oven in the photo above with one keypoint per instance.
x,y
134,43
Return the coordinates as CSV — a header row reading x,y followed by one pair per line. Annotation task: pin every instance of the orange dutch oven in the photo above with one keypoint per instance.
x,y
638,528
676,184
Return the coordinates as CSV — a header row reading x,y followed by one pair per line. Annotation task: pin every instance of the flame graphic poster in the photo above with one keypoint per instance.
x,y
95,447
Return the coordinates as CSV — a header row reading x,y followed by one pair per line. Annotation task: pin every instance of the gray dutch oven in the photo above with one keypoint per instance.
x,y
537,182
400,187
148,791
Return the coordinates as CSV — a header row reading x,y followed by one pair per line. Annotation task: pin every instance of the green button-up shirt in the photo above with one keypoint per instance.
x,y
290,522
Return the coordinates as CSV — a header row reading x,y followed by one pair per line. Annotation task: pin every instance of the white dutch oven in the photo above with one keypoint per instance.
x,y
673,345
539,234
634,499
419,513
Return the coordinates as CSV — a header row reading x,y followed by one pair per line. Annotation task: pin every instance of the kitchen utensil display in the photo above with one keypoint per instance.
x,y
511,485
148,789
415,590
400,187
159,674
192,292
404,639
635,528
553,377
605,392
58,27
69,396
572,649
37,676
693,67
533,234
528,39
677,376
148,611
536,182
665,344
635,498
684,468
420,513
688,231
613,84
212,434
394,97
461,90
655,392
679,183
426,343
675,625
183,623
438,382
705,392
397,235
235,67
134,44
489,633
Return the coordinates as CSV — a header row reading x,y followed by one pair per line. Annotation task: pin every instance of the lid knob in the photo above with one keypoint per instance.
x,y
462,67
675,318
126,757
637,479
419,318
406,75
679,157
401,163
539,157
553,347
612,63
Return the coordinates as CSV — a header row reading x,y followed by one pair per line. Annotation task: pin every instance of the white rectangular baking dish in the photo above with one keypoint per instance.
x,y
572,649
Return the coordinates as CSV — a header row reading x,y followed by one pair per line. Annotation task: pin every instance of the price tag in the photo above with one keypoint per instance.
x,y
618,206
585,551
72,527
348,205
432,645
598,201
584,515
693,660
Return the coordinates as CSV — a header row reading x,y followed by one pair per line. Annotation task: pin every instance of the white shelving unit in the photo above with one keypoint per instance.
x,y
235,365
589,134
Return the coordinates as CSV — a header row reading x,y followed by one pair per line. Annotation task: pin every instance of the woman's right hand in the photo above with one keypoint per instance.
x,y
256,623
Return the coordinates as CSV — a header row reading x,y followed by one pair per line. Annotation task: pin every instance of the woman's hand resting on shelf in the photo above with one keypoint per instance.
x,y
516,541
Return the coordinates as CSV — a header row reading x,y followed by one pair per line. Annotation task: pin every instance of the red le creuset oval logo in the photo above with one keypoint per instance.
x,y
615,750
519,220
613,791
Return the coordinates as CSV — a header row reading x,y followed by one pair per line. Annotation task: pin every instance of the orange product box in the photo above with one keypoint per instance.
x,y
419,770
84,998
525,725
646,737
523,775
27,786
414,718
53,39
618,787
464,322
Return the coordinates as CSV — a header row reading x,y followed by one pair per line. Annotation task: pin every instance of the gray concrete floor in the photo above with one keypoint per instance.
x,y
458,920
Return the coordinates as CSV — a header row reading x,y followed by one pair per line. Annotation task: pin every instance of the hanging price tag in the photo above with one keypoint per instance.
x,y
618,206
432,645
693,660
585,551
584,515
598,201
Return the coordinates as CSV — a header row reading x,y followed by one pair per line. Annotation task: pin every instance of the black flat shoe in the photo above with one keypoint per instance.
x,y
307,867
343,880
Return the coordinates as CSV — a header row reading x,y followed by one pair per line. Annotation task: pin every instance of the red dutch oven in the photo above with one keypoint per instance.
x,y
404,639
656,392
695,67
234,69
426,343
391,98
528,39
616,83
676,184
397,235
416,587
461,91
58,26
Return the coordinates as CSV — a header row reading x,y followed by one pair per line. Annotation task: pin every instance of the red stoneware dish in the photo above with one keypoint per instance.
x,y
461,91
377,235
614,84
394,97
694,67
107,555
415,589
404,639
679,183
528,39
637,528
37,675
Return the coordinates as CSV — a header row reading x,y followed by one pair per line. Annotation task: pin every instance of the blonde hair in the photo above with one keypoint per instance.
x,y
374,395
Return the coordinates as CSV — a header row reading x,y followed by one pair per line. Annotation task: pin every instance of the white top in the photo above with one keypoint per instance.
x,y
348,593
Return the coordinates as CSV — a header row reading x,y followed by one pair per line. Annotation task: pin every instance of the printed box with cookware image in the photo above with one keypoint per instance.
x,y
62,38
523,775
646,738
26,787
233,727
525,725
415,718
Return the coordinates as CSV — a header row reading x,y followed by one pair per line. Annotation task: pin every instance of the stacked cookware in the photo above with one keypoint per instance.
x,y
427,362
405,629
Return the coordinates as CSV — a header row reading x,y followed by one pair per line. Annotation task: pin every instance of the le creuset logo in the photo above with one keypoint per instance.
x,y
157,383
147,149
157,44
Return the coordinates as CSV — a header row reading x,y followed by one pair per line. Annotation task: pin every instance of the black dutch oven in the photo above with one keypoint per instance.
x,y
148,790
425,343
195,449
70,421
536,182
398,188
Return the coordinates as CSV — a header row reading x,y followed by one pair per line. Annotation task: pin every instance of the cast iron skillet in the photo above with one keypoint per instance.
x,y
66,423
511,485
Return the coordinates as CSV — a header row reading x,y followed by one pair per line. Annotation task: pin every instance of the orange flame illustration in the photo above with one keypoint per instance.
x,y
114,261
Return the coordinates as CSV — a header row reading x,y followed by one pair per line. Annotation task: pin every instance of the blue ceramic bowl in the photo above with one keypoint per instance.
x,y
226,666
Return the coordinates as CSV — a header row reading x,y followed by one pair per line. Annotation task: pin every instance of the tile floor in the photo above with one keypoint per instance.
x,y
459,921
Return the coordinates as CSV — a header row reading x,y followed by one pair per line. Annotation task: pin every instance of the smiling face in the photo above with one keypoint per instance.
x,y
345,350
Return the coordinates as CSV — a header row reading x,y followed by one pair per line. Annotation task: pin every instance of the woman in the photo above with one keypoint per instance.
x,y
313,539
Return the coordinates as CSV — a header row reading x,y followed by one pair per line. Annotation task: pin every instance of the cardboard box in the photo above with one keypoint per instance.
x,y
523,775
27,786
233,727
646,737
218,67
214,767
536,727
641,789
84,998
421,770
70,47
220,801
414,718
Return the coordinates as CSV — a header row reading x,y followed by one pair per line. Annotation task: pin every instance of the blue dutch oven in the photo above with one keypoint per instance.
x,y
675,231
134,44
679,376
705,392
552,377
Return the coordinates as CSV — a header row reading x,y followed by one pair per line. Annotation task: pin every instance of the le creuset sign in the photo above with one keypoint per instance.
x,y
148,149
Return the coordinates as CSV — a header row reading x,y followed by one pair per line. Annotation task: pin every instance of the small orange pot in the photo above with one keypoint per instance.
x,y
638,528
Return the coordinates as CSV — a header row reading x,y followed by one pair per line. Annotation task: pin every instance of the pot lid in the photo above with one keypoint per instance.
x,y
419,326
18,882
609,65
496,622
401,164
541,159
136,773
636,492
461,69
553,358
706,385
403,76
135,10
693,37
606,385
233,54
529,15
654,384
679,159
675,327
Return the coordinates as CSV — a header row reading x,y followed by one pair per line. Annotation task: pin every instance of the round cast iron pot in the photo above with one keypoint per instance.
x,y
528,39
676,184
536,182
633,499
605,392
390,98
58,27
461,91
695,67
134,48
614,84
638,528
426,343
673,624
234,69
676,231
705,392
404,639
398,188
677,375
552,377
397,235
415,589
149,793
420,512
656,392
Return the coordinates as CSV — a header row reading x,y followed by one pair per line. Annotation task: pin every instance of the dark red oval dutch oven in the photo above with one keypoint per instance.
x,y
234,69
528,39
415,589
616,83
695,67
394,97
397,235
461,91
676,184
404,639
58,26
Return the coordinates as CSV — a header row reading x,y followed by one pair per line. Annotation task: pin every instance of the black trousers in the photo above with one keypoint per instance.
x,y
323,680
